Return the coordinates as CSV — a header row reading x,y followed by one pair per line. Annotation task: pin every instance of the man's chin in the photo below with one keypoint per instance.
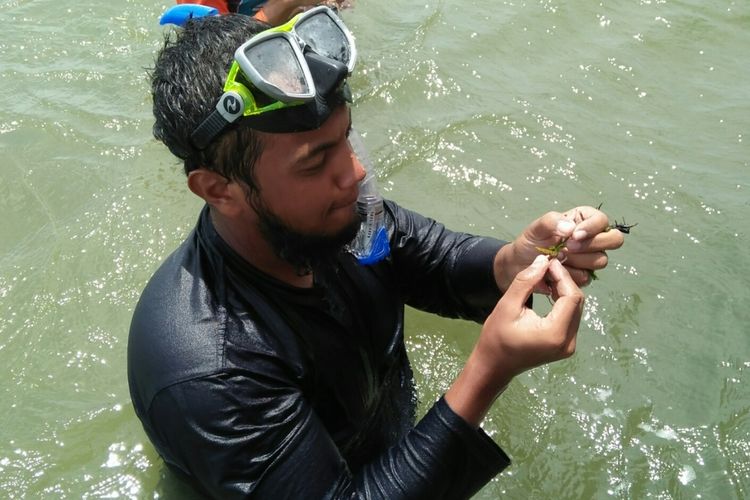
x,y
305,251
347,234
351,220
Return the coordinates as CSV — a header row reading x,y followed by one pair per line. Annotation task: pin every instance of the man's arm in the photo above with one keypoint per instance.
x,y
255,435
460,275
441,271
514,339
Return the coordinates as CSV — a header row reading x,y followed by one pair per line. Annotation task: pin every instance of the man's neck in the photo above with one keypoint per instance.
x,y
253,248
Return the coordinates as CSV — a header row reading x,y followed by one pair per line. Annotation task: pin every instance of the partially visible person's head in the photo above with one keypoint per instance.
x,y
187,82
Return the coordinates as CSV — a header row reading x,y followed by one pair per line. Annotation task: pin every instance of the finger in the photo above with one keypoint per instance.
x,y
560,280
523,285
542,288
565,316
581,277
552,226
592,261
609,240
567,309
590,222
566,312
570,348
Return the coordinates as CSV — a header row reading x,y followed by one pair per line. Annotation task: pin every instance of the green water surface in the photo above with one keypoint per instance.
x,y
481,114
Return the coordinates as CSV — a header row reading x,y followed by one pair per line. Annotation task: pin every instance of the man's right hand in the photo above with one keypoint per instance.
x,y
514,338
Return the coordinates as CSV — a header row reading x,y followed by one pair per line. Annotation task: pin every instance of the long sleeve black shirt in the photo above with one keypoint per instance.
x,y
255,388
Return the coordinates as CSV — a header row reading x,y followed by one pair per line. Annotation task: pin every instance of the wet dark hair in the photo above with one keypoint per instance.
x,y
187,82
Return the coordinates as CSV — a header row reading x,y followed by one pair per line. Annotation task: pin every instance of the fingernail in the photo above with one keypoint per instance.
x,y
565,226
573,244
580,235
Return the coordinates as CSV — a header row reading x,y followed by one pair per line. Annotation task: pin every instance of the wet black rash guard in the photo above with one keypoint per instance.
x,y
255,388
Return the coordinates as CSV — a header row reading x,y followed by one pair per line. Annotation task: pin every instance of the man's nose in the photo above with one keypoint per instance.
x,y
359,170
354,172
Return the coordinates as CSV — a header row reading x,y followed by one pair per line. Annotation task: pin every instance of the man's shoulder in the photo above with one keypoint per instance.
x,y
178,324
176,292
191,317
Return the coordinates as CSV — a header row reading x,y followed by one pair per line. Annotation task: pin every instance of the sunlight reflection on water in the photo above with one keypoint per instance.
x,y
482,121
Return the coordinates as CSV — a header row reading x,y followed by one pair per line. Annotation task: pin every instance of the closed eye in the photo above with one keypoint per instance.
x,y
314,165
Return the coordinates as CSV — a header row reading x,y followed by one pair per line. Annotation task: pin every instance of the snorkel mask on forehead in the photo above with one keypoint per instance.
x,y
286,79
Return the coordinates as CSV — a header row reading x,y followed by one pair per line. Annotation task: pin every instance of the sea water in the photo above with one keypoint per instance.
x,y
481,114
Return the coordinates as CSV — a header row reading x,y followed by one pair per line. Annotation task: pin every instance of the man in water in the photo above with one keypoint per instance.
x,y
263,359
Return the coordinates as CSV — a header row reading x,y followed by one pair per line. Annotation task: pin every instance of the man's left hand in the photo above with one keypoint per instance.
x,y
587,236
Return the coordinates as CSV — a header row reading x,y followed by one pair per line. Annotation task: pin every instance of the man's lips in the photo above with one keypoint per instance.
x,y
345,203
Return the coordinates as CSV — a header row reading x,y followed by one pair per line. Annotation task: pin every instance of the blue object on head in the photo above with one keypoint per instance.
x,y
184,12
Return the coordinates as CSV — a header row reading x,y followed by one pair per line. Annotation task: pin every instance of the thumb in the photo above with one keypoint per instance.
x,y
551,226
523,285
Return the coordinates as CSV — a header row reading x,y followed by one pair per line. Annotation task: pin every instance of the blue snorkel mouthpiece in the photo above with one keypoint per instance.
x,y
371,244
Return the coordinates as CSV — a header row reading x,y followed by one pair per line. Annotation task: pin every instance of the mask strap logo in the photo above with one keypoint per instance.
x,y
231,106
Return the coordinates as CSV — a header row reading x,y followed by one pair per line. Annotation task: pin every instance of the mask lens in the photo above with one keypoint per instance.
x,y
325,37
276,63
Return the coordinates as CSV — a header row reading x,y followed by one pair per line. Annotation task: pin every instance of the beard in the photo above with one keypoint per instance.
x,y
302,250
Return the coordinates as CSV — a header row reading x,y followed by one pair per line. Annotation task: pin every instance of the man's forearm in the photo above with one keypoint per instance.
x,y
475,389
514,339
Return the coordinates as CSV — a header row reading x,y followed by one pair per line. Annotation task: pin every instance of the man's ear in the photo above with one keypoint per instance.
x,y
220,193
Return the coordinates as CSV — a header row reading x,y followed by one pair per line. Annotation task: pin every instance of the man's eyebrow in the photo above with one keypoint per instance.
x,y
318,148
322,146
